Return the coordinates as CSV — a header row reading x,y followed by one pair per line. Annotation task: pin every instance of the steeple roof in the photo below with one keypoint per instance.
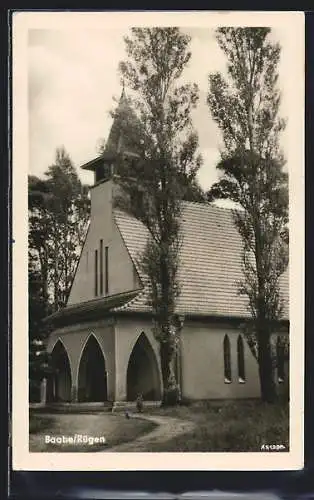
x,y
117,141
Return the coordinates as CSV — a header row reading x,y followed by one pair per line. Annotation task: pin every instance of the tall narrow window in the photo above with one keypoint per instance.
x,y
241,368
106,271
96,273
280,360
101,268
227,360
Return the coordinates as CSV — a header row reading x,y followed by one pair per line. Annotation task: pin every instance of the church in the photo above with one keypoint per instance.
x,y
102,344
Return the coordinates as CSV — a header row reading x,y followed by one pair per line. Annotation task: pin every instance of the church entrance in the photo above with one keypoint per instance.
x,y
92,378
142,373
60,382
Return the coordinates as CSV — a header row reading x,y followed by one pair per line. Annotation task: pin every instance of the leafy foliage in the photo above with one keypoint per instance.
x,y
245,106
58,217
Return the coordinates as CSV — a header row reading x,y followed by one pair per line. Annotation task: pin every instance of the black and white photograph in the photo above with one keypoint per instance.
x,y
158,173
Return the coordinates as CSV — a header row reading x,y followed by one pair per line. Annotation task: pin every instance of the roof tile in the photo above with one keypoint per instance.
x,y
210,262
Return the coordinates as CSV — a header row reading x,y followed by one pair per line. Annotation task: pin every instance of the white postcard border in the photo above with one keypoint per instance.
x,y
22,458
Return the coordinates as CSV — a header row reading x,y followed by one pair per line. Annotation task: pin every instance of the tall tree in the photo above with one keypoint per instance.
x,y
245,106
159,166
58,216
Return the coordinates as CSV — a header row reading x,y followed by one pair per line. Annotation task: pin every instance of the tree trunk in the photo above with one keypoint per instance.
x,y
265,365
166,359
56,292
166,349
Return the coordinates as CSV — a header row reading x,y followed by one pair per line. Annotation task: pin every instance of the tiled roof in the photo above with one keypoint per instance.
x,y
90,308
210,263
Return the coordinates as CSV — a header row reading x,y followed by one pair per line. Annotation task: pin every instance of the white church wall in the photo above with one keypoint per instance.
x,y
202,360
203,364
120,266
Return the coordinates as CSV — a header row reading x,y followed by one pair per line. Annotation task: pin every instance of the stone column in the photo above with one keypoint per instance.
x,y
74,395
120,385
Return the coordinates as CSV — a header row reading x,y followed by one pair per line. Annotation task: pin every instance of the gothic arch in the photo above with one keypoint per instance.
x,y
92,375
143,372
60,383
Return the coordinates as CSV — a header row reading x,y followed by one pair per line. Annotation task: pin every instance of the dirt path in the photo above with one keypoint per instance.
x,y
168,428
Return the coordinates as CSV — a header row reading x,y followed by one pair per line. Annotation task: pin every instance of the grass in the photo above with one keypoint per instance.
x,y
39,424
238,426
229,427
115,428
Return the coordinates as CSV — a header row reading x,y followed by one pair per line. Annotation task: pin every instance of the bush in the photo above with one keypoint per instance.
x,y
34,391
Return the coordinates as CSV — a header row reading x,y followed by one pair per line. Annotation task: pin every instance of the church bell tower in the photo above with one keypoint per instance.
x,y
105,165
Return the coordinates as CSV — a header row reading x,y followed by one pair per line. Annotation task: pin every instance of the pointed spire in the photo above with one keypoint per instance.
x,y
114,138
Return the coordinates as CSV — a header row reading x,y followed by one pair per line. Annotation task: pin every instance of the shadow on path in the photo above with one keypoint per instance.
x,y
167,428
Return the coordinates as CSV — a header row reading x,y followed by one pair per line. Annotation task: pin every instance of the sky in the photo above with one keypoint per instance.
x,y
73,78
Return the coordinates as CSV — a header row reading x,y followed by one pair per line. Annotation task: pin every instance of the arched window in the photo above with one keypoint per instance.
x,y
227,360
241,367
280,348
